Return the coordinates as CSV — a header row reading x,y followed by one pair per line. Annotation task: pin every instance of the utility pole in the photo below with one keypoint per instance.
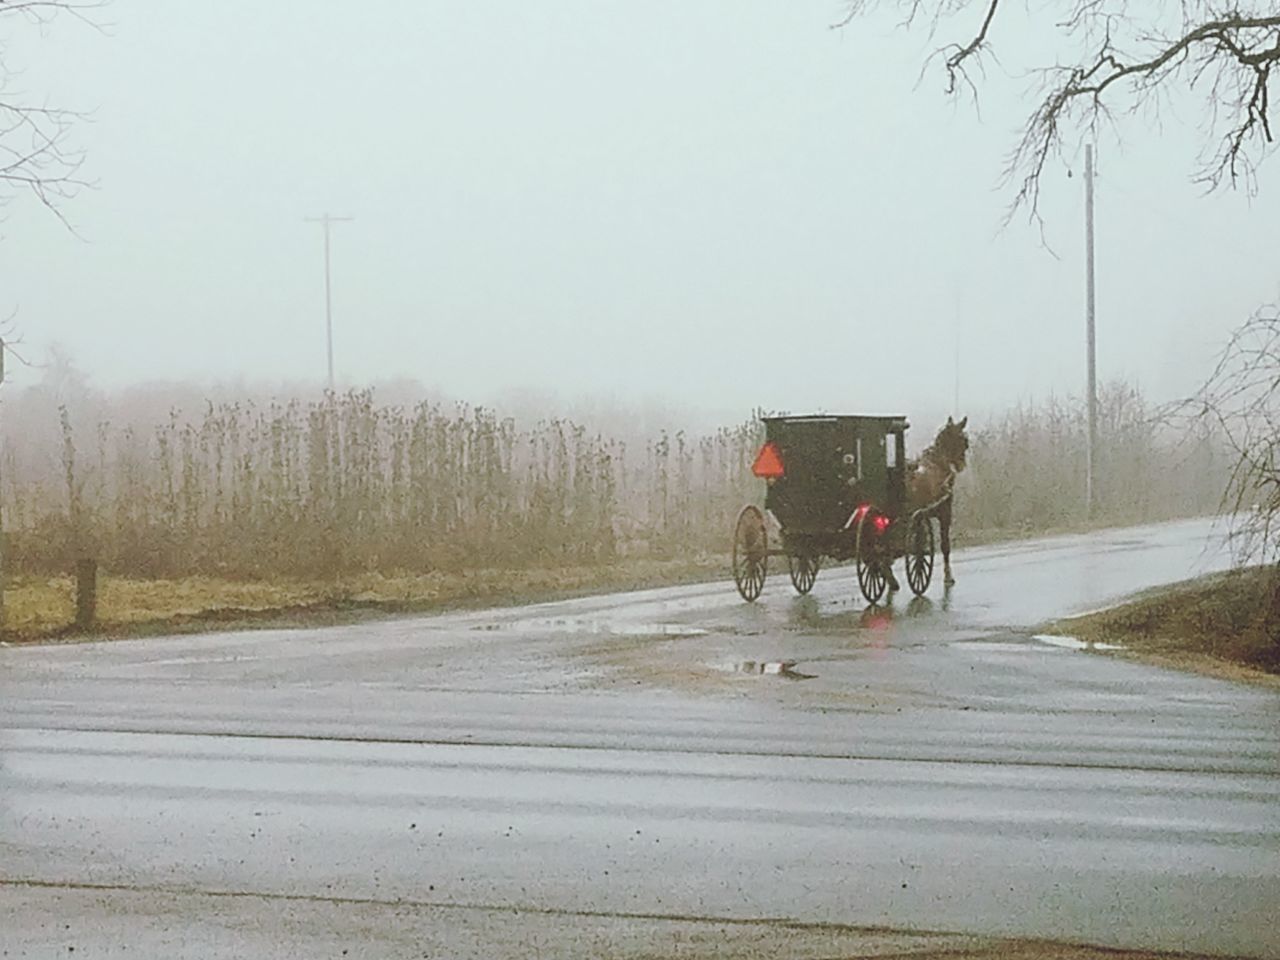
x,y
1092,441
326,221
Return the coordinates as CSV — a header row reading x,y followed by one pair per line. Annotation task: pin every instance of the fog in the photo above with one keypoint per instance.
x,y
690,208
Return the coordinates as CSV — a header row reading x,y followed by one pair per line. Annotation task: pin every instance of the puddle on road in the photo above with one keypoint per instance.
x,y
808,615
1028,644
186,661
594,627
994,646
786,669
1071,643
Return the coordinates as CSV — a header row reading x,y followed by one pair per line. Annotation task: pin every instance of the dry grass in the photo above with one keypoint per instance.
x,y
345,485
342,486
38,608
41,608
1220,618
37,605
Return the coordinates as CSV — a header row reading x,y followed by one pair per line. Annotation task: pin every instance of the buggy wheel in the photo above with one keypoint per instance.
x,y
804,571
920,556
750,553
871,577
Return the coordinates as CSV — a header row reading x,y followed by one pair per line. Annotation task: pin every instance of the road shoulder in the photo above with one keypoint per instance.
x,y
1215,625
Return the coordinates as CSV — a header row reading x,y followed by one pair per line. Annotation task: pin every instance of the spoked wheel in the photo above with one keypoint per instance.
x,y
920,556
871,577
804,571
750,553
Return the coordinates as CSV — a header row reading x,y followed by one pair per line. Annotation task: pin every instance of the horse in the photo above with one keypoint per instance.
x,y
931,482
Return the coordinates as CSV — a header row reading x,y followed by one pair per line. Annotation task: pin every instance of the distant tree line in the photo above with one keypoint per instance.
x,y
1027,466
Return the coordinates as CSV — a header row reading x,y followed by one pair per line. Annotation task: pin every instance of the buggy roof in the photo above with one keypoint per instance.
x,y
884,422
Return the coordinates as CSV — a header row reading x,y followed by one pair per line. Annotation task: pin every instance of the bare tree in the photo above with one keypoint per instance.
x,y
1115,58
36,153
1241,402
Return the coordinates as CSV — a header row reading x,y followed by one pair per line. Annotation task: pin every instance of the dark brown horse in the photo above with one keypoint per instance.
x,y
931,482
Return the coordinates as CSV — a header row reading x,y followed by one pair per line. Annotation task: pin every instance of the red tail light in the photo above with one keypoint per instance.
x,y
768,465
879,522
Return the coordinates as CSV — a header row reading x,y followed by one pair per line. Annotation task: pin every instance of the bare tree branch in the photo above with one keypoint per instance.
x,y
11,341
1240,402
1118,63
37,155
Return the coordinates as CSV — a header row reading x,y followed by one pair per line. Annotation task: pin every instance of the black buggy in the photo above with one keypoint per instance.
x,y
837,487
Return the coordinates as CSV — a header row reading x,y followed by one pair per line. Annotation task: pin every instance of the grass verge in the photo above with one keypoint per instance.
x,y
1216,624
42,609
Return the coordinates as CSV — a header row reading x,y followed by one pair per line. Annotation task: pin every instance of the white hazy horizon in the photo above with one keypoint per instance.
x,y
700,208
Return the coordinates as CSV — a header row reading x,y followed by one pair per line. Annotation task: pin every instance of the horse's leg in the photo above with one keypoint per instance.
x,y
894,586
944,522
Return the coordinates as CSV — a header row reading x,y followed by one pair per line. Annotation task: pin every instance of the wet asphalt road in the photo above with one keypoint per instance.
x,y
600,777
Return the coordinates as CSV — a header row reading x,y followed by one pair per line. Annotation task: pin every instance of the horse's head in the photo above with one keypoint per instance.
x,y
952,444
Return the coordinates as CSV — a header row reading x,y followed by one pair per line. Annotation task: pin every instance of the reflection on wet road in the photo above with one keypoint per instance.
x,y
608,768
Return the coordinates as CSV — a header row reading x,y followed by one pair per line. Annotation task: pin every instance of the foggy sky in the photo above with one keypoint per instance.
x,y
719,204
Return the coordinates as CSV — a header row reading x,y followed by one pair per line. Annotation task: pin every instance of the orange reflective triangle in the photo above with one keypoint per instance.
x,y
768,463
